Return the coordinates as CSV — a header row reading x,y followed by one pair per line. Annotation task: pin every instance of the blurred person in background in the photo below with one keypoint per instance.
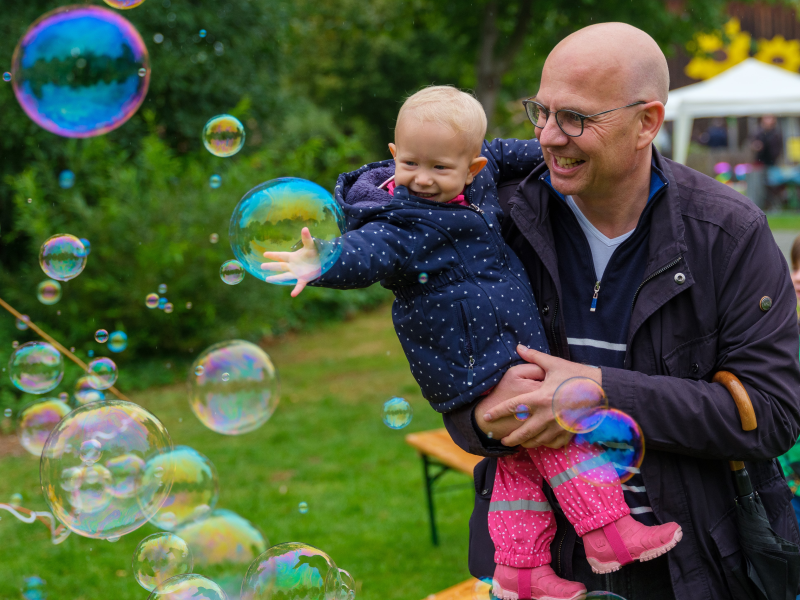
x,y
768,146
716,136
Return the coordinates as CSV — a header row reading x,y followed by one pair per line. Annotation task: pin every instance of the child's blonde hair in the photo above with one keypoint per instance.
x,y
448,106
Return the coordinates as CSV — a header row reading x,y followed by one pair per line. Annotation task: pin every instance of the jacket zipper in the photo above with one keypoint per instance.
x,y
657,273
468,342
594,298
553,327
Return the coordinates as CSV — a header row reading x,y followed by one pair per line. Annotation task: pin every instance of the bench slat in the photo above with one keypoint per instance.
x,y
463,591
437,444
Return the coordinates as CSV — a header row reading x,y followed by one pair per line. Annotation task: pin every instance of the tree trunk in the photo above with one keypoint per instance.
x,y
494,59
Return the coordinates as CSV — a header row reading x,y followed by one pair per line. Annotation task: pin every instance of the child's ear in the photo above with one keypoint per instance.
x,y
393,150
475,167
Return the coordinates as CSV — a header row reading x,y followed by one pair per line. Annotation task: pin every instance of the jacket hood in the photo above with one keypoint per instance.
x,y
360,188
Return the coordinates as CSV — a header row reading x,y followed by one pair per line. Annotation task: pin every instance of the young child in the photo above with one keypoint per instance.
x,y
427,226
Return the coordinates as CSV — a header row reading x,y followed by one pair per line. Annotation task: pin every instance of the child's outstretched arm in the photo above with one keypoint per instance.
x,y
376,251
511,158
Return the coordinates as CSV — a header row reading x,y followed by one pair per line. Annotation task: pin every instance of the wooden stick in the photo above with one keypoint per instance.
x,y
60,348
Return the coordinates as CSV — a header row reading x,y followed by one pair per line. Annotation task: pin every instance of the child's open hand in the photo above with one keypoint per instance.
x,y
303,264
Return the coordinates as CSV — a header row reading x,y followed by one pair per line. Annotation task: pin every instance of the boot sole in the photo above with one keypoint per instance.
x,y
499,592
602,568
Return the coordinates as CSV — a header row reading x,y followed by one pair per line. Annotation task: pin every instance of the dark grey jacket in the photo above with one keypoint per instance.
x,y
711,260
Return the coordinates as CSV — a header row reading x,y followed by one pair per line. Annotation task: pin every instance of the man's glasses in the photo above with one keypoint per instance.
x,y
569,121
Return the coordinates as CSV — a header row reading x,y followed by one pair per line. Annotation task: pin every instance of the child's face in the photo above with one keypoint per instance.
x,y
433,162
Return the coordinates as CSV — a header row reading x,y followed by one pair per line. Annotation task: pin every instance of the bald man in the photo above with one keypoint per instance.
x,y
650,278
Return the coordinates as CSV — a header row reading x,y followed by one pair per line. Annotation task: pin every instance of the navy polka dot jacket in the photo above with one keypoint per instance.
x,y
459,327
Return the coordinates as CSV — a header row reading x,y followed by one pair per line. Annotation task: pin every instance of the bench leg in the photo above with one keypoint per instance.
x,y
426,472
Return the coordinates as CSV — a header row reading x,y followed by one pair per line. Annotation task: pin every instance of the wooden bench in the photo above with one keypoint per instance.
x,y
463,591
439,454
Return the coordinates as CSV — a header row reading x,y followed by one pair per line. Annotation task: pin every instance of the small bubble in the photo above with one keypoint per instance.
x,y
199,370
490,435
215,181
63,396
158,38
14,344
226,376
30,200
302,508
213,238
90,353
159,472
423,278
203,33
219,49
188,306
151,300
16,499
142,72
6,76
90,452
7,412
101,336
162,288
168,307
72,349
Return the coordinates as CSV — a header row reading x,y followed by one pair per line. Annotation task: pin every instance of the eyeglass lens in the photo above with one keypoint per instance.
x,y
570,122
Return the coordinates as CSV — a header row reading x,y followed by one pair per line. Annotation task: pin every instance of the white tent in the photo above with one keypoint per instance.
x,y
750,88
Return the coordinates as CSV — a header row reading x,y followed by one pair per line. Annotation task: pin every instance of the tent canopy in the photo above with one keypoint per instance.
x,y
750,88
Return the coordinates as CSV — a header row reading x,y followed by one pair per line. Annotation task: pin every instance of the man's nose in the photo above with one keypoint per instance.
x,y
551,134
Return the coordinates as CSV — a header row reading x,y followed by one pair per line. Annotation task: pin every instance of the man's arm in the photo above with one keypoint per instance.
x,y
699,418
511,158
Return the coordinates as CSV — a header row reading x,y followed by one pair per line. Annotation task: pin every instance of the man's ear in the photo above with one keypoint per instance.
x,y
475,167
393,150
652,118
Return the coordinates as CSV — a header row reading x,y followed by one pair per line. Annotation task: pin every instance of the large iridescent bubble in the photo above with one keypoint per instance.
x,y
195,488
37,420
291,571
91,469
236,391
36,367
223,544
76,71
270,217
62,257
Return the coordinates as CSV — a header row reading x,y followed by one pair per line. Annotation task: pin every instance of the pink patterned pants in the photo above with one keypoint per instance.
x,y
521,520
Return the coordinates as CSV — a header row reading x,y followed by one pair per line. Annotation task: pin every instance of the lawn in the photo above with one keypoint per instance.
x,y
326,444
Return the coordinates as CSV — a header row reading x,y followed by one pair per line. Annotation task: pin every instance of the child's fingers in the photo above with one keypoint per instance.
x,y
281,267
308,241
280,256
298,288
282,278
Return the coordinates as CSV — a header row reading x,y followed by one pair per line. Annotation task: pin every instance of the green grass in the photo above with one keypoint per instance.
x,y
784,220
326,443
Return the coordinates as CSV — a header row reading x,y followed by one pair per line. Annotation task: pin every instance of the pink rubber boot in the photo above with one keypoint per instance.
x,y
626,540
539,583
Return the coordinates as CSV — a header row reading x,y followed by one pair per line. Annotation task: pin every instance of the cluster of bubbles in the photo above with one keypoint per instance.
x,y
231,272
155,301
97,470
48,292
608,446
397,413
63,257
233,387
76,71
223,135
270,217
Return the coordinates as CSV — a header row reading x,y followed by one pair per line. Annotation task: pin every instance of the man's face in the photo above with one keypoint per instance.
x,y
605,153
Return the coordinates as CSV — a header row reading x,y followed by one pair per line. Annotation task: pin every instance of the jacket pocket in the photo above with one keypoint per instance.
x,y
734,568
694,359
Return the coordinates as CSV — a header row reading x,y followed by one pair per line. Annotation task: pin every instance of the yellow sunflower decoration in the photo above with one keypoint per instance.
x,y
712,56
780,52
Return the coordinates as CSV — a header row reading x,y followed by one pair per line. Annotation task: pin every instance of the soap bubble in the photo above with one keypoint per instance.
x,y
66,179
48,292
195,488
242,403
36,367
62,257
79,495
162,288
16,499
213,238
22,324
159,557
151,300
215,181
34,588
188,587
609,454
90,452
223,136
102,373
397,413
231,272
85,393
203,33
7,412
223,544
423,278
522,412
270,217
339,585
168,307
117,341
579,404
37,420
124,4
87,245
15,344
291,571
76,71
64,397
162,302
6,76
199,370
302,508
101,336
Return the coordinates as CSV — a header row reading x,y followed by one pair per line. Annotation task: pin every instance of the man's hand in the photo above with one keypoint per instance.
x,y
541,428
303,264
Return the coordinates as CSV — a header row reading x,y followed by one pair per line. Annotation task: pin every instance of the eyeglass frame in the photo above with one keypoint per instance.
x,y
583,118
